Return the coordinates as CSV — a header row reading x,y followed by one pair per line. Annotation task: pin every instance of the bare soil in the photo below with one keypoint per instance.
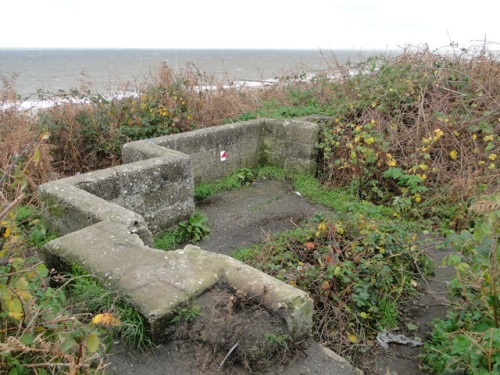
x,y
230,325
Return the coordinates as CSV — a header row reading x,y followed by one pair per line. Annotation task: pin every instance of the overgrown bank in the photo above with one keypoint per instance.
x,y
417,132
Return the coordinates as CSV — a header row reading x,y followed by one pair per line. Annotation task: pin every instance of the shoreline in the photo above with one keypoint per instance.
x,y
37,105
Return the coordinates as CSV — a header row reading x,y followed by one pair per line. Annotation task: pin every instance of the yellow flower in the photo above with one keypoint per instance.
x,y
106,319
453,154
369,141
322,226
417,198
491,166
492,157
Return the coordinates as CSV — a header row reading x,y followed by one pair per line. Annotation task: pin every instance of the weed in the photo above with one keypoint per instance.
x,y
186,314
240,177
276,340
170,240
192,230
356,269
87,295
245,175
195,228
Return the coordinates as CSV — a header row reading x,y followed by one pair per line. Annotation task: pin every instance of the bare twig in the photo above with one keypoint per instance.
x,y
227,355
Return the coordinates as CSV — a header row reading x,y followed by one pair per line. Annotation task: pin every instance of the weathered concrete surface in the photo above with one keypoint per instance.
x,y
156,191
159,282
69,209
246,216
286,144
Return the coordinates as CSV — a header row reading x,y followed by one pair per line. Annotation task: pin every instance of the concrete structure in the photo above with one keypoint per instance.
x,y
285,144
107,218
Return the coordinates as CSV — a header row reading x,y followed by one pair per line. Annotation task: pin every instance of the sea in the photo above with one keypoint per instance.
x,y
108,71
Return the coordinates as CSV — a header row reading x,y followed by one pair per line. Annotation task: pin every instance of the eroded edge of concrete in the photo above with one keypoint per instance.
x,y
157,283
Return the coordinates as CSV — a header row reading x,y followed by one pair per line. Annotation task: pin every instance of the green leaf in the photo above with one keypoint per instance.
x,y
42,270
411,326
92,342
68,344
27,339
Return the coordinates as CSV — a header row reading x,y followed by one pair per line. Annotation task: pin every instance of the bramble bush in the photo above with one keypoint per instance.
x,y
37,334
357,270
89,136
417,131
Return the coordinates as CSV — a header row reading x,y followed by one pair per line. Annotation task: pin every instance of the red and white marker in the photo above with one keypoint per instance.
x,y
223,156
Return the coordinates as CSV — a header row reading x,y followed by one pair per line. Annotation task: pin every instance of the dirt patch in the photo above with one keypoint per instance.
x,y
245,216
232,330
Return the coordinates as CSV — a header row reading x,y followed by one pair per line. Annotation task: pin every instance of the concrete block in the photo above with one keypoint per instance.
x,y
141,150
299,131
68,209
102,183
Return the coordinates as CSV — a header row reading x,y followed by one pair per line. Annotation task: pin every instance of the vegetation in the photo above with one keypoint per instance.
x,y
412,138
86,294
359,265
241,177
192,231
38,332
468,341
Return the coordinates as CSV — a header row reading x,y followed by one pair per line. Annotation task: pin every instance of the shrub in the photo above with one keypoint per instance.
x,y
357,270
431,116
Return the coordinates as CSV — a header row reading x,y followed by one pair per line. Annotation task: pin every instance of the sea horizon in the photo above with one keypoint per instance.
x,y
107,70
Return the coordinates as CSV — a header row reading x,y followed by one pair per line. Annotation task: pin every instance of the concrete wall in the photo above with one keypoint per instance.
x,y
286,144
159,190
107,218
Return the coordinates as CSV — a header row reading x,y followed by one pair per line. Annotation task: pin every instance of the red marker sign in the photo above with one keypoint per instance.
x,y
223,156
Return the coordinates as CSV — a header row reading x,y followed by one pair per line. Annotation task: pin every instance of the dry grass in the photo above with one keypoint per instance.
x,y
25,159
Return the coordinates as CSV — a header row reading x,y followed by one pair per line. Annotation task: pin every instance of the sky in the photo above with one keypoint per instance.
x,y
248,24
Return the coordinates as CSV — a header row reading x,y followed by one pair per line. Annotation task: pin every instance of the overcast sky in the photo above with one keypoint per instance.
x,y
311,24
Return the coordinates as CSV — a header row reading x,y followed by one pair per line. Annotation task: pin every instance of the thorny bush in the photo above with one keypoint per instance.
x,y
417,129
